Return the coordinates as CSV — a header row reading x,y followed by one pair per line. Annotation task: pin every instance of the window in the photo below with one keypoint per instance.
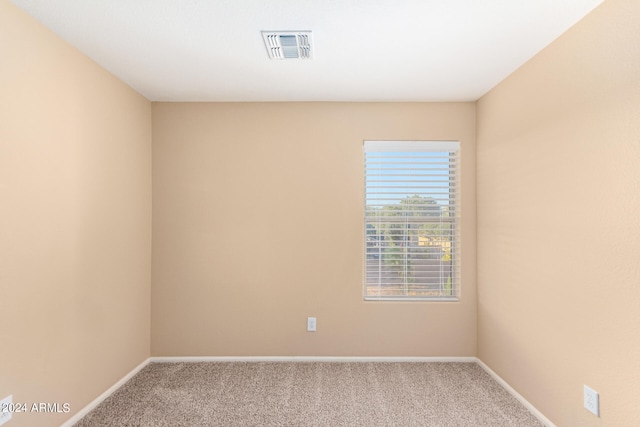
x,y
412,248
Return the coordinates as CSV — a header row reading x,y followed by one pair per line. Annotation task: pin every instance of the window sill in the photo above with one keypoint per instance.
x,y
414,299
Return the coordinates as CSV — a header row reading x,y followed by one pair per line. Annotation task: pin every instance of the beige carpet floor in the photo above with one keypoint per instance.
x,y
310,394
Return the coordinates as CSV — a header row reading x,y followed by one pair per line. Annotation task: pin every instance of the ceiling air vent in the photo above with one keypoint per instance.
x,y
288,44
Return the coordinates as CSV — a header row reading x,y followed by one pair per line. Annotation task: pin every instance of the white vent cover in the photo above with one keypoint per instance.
x,y
288,44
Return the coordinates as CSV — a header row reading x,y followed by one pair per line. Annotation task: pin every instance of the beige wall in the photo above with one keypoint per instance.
x,y
559,222
75,222
258,224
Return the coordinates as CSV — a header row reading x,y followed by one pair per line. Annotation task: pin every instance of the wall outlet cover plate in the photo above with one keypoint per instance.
x,y
591,401
5,409
311,324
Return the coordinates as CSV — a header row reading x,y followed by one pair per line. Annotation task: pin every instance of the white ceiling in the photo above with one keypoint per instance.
x,y
364,50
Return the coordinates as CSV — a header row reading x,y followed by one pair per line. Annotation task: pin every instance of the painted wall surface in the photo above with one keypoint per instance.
x,y
559,222
258,224
75,223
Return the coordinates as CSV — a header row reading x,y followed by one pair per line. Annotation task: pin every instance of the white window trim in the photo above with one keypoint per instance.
x,y
421,146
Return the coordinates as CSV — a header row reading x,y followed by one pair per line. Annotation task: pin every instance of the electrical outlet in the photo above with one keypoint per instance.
x,y
6,409
591,401
311,324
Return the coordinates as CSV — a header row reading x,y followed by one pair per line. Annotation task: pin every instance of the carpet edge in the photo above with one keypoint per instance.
x,y
98,400
534,411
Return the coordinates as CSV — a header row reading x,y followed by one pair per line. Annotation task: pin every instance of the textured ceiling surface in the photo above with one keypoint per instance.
x,y
364,50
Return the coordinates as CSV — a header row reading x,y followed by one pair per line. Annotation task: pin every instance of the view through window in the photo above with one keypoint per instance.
x,y
411,220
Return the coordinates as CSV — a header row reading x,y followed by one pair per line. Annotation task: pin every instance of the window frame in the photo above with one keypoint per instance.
x,y
453,217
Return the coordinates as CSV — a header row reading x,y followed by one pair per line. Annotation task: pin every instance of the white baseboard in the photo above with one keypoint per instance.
x,y
309,359
98,400
539,415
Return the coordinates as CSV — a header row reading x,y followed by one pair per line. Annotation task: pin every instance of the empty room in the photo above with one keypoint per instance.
x,y
319,213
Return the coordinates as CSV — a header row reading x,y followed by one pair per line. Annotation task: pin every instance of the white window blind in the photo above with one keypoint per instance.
x,y
412,226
